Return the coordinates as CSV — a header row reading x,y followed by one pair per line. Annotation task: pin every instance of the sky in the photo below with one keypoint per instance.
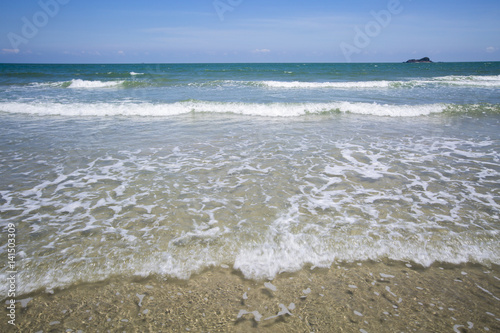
x,y
223,31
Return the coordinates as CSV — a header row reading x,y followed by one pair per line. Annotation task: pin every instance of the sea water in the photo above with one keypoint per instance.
x,y
170,169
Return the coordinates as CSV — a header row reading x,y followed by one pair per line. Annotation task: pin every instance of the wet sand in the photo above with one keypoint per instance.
x,y
355,297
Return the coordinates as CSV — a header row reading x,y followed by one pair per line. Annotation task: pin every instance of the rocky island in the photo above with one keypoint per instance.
x,y
424,59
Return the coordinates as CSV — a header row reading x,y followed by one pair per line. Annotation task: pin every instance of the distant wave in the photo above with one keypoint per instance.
x,y
486,81
339,85
145,80
472,80
476,81
250,109
91,84
79,84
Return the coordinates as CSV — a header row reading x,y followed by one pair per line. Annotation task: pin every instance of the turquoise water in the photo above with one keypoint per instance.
x,y
133,170
253,89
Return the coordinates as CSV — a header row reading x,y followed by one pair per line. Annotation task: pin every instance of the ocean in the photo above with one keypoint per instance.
x,y
133,171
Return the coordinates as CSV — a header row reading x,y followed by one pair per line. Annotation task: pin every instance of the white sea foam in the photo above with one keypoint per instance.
x,y
491,81
253,109
78,83
185,206
472,80
486,81
270,286
256,315
319,85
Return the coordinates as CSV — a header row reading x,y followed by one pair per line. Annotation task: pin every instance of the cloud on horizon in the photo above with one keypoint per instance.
x,y
261,51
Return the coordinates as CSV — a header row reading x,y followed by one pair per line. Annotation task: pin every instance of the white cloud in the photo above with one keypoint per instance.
x,y
261,51
10,51
491,49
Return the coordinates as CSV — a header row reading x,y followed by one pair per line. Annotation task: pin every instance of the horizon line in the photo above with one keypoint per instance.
x,y
235,62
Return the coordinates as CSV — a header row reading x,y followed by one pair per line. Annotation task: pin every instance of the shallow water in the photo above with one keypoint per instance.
x,y
141,170
94,198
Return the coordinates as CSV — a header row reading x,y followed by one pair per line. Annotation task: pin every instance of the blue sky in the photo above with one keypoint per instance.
x,y
125,31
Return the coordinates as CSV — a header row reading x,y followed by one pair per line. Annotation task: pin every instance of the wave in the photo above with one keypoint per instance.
x,y
78,84
91,84
145,80
474,80
316,85
278,252
250,109
471,80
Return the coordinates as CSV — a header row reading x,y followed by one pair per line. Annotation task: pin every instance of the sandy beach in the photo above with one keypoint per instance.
x,y
355,297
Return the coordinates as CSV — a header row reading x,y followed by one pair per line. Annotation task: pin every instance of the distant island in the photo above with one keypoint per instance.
x,y
424,59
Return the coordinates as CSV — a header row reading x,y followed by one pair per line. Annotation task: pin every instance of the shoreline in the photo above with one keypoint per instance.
x,y
348,297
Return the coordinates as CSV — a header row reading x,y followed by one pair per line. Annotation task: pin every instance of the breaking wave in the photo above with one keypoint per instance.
x,y
250,109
